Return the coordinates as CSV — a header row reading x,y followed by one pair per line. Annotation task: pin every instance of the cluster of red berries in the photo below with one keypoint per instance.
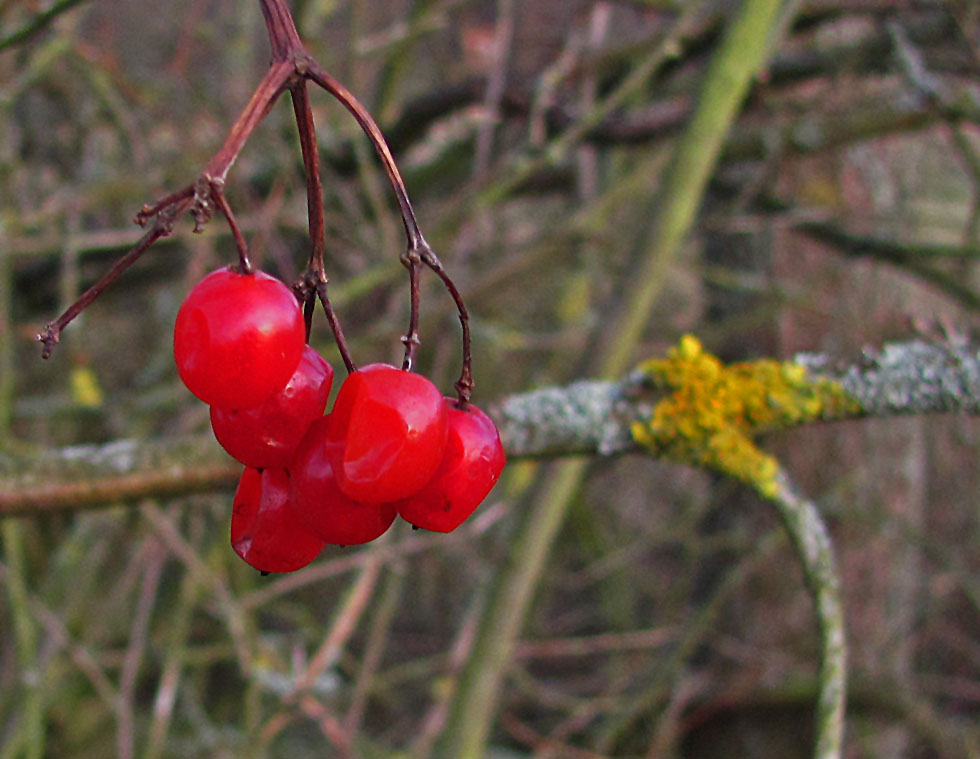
x,y
393,445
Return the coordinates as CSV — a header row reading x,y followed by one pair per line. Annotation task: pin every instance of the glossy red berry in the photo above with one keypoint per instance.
x,y
238,338
469,469
264,530
267,435
318,503
388,430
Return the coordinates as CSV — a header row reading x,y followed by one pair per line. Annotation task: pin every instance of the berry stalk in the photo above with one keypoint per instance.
x,y
291,69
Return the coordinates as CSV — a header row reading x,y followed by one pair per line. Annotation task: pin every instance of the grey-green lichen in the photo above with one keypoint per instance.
x,y
585,417
913,377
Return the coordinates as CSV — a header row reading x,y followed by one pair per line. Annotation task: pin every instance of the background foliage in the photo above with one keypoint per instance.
x,y
670,618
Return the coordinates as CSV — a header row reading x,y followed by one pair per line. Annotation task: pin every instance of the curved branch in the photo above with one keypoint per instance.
x,y
813,547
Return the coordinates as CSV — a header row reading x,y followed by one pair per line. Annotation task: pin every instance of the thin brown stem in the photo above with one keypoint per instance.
x,y
163,227
316,268
464,385
412,262
418,248
258,106
311,162
311,69
416,242
218,196
283,37
334,322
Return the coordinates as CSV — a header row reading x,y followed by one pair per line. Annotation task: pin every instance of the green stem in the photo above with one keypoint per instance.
x,y
732,70
30,736
727,82
6,338
685,25
473,707
31,733
37,24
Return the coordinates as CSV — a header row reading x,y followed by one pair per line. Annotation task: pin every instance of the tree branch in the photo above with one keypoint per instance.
x,y
124,471
905,379
918,260
590,417
810,537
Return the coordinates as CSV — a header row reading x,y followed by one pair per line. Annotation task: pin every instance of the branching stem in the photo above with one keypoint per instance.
x,y
418,249
258,107
163,227
290,69
334,322
316,274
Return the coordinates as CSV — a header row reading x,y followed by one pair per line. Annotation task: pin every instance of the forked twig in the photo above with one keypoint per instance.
x,y
290,70
419,251
162,227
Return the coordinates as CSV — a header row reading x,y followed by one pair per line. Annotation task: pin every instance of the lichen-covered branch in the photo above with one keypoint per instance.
x,y
589,417
709,413
586,417
813,547
594,417
687,406
909,378
124,471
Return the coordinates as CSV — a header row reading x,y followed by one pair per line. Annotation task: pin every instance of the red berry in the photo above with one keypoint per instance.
x,y
389,429
264,531
267,435
318,503
238,338
470,467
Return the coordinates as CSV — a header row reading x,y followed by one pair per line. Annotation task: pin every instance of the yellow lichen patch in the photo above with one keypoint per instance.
x,y
711,411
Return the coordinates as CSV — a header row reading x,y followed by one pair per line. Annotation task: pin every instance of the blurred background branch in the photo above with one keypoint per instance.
x,y
553,149
37,24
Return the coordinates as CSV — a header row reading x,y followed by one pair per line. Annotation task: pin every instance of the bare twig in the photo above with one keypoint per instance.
x,y
165,220
344,623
